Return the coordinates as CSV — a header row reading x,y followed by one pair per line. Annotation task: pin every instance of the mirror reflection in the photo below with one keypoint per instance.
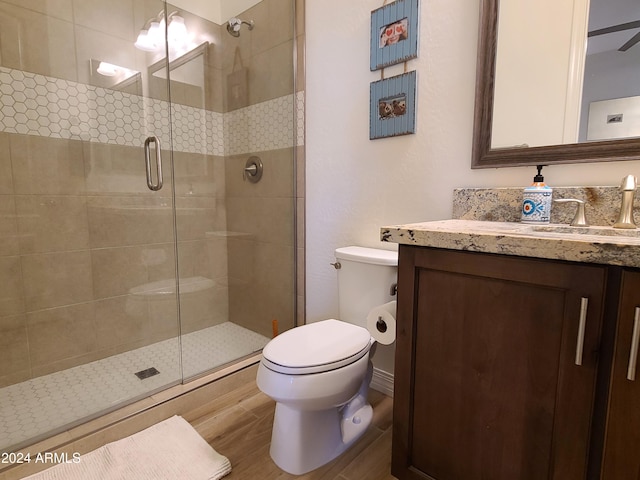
x,y
115,77
540,115
192,31
187,77
554,87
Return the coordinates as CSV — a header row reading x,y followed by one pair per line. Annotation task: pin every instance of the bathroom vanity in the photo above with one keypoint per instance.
x,y
514,352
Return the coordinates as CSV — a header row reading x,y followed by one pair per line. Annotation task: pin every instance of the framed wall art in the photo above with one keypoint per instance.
x,y
394,33
614,118
393,106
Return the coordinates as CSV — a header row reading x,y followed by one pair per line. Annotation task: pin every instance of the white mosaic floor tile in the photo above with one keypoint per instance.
x,y
38,407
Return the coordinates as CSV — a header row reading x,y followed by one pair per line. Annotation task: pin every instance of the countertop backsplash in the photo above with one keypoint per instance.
x,y
504,204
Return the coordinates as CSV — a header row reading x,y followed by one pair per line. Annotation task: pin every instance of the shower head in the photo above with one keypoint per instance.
x,y
234,24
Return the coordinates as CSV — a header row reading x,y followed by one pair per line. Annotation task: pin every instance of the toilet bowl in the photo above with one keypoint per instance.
x,y
319,376
319,373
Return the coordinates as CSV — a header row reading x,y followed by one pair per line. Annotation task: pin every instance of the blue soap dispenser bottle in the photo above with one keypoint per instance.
x,y
536,201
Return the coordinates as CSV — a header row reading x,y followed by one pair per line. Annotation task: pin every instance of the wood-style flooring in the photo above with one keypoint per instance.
x,y
238,425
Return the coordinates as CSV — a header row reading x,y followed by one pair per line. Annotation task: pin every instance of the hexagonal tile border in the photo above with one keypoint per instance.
x,y
51,107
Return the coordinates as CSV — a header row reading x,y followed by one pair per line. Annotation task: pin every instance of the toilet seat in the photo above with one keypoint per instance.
x,y
316,347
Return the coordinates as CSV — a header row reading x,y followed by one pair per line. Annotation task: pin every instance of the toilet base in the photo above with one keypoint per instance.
x,y
305,440
306,435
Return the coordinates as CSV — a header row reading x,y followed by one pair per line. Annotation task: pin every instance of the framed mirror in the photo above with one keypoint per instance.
x,y
187,78
494,97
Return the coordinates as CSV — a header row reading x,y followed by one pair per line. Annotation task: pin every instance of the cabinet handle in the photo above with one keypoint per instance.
x,y
635,339
584,303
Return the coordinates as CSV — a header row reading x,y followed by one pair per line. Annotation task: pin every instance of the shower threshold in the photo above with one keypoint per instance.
x,y
37,408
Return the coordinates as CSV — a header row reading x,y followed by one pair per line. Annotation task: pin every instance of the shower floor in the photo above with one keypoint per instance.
x,y
41,406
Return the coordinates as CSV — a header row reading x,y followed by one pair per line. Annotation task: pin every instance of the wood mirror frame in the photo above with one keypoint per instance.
x,y
483,156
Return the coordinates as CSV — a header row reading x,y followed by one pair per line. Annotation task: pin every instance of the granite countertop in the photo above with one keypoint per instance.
x,y
603,245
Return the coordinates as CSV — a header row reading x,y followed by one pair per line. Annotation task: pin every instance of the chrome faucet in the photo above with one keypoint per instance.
x,y
628,189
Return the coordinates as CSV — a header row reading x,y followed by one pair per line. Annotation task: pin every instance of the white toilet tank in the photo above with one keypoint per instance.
x,y
366,278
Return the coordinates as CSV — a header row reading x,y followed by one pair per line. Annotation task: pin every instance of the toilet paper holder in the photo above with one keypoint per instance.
x,y
393,290
381,325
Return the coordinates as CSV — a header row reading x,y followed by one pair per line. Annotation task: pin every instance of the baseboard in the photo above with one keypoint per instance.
x,y
382,382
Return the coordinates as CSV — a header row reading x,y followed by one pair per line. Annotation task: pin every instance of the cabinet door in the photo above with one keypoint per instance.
x,y
621,460
489,379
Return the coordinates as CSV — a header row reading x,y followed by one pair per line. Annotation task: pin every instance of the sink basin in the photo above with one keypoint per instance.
x,y
603,231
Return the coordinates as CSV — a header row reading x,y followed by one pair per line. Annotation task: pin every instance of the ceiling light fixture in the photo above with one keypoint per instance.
x,y
177,31
152,35
156,32
148,36
144,41
107,69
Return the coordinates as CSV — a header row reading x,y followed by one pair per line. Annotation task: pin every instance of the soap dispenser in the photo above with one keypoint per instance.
x,y
536,201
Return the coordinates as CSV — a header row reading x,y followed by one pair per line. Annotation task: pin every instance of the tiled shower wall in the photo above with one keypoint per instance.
x,y
79,227
261,271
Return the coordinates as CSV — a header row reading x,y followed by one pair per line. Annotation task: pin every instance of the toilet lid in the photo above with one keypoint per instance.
x,y
316,347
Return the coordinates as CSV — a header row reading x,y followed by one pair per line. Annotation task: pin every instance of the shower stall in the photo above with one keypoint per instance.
x,y
147,199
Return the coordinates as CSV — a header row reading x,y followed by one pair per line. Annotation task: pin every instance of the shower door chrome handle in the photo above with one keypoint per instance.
x,y
147,160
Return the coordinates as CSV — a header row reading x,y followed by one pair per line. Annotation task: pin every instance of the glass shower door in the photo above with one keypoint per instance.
x,y
232,100
89,305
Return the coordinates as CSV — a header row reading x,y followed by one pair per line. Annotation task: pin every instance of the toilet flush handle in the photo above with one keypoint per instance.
x,y
336,265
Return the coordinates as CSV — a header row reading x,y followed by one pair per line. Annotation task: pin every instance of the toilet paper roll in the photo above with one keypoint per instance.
x,y
381,323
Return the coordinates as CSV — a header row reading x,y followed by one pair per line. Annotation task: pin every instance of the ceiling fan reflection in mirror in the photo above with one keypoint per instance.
x,y
619,28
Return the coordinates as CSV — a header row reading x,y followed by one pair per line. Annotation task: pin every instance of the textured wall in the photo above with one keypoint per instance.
x,y
355,185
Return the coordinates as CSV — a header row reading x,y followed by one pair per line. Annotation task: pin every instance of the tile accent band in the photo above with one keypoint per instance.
x,y
34,104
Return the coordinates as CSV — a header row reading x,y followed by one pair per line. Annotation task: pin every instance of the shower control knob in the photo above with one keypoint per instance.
x,y
253,169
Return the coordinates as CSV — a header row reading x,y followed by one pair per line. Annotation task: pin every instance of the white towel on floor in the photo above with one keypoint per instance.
x,y
169,450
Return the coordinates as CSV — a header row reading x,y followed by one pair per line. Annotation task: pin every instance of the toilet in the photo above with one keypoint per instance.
x,y
319,373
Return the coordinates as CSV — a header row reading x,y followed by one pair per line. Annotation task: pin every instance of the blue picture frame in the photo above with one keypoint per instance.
x,y
394,33
393,106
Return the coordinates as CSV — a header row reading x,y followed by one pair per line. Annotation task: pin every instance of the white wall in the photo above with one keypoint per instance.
x,y
355,185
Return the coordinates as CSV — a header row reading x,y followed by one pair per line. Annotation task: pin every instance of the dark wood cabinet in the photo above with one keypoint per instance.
x,y
496,367
621,450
